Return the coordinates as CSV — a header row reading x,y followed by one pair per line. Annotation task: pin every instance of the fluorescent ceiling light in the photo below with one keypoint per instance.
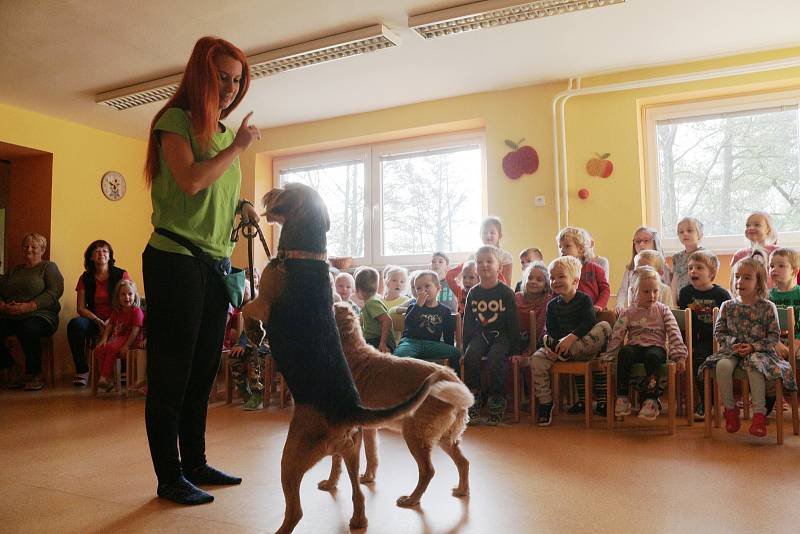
x,y
265,64
493,13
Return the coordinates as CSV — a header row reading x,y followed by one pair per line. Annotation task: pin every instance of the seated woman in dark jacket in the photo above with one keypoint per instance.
x,y
29,308
94,303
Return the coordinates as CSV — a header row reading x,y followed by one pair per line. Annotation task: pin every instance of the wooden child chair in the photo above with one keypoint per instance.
x,y
786,320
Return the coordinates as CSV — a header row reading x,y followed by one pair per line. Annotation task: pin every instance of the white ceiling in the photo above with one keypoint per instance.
x,y
57,54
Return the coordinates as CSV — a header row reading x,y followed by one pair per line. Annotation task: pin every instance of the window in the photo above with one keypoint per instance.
x,y
719,161
398,202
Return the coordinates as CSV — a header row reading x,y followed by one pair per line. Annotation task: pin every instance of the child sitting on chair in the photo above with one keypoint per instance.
x,y
123,331
571,331
702,295
247,362
747,331
375,320
535,295
346,288
647,258
490,330
429,325
461,279
650,328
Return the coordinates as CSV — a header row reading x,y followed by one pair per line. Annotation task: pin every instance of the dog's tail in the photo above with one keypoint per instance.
x,y
375,416
455,393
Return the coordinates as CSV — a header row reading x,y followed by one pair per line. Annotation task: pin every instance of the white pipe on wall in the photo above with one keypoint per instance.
x,y
559,122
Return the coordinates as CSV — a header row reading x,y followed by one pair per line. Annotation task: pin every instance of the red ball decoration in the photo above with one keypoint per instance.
x,y
583,194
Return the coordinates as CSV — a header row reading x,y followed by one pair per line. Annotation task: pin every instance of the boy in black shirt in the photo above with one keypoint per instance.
x,y
702,295
491,329
571,331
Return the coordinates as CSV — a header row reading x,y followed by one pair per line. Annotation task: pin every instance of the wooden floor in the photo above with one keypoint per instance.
x,y
73,463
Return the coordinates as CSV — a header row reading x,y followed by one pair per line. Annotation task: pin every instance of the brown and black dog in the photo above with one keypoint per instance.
x,y
384,379
295,304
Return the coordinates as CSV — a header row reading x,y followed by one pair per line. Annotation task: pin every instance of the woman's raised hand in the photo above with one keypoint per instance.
x,y
246,134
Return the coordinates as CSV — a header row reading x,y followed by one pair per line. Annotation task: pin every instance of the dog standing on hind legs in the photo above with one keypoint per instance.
x,y
383,379
295,305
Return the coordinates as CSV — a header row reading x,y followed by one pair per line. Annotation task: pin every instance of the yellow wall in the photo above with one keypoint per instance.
x,y
511,114
598,123
80,212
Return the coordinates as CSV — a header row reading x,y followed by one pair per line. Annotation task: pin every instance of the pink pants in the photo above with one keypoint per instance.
x,y
107,355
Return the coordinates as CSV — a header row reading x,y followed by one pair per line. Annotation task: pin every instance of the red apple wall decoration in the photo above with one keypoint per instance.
x,y
523,160
583,194
600,166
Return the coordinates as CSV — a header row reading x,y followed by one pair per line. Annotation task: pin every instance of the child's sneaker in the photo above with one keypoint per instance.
x,y
770,403
474,412
649,410
544,414
600,409
255,402
622,407
732,421
577,408
699,412
759,425
497,407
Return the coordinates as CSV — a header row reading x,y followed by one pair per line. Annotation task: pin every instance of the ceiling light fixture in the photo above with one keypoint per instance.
x,y
493,13
268,63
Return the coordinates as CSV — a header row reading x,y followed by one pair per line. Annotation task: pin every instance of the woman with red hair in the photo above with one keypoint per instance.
x,y
194,177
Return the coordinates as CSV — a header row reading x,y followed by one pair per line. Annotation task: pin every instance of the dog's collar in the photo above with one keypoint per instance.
x,y
302,255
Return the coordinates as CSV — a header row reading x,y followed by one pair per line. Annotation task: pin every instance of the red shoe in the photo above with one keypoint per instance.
x,y
732,422
759,426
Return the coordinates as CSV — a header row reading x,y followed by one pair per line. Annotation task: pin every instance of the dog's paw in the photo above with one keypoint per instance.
x,y
367,478
254,331
460,492
358,522
327,485
407,502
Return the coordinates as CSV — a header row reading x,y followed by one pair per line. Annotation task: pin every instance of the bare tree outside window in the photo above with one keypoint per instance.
x,y
719,168
429,201
342,187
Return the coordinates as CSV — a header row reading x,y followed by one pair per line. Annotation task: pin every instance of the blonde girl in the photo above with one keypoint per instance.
x,y
599,260
760,231
122,331
535,295
395,283
690,233
491,234
647,258
747,332
644,238
572,242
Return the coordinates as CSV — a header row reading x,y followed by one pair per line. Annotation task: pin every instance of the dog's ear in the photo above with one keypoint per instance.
x,y
281,202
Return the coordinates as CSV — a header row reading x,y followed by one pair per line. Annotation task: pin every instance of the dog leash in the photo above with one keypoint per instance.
x,y
250,229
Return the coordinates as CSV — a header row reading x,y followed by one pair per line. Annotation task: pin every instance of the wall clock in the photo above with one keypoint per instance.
x,y
113,185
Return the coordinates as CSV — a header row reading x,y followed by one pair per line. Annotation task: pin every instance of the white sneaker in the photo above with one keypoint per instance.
x,y
649,410
622,407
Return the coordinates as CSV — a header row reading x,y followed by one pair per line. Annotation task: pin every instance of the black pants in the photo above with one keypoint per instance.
x,y
187,309
495,347
629,355
30,332
79,329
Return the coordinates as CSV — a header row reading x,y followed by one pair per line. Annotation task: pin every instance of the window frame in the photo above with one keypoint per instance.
x,y
371,154
723,244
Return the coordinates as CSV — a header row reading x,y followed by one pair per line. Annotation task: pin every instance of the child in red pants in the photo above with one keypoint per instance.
x,y
123,330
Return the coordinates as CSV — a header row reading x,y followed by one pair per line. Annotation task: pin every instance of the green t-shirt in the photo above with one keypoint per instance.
x,y
784,299
373,308
207,218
